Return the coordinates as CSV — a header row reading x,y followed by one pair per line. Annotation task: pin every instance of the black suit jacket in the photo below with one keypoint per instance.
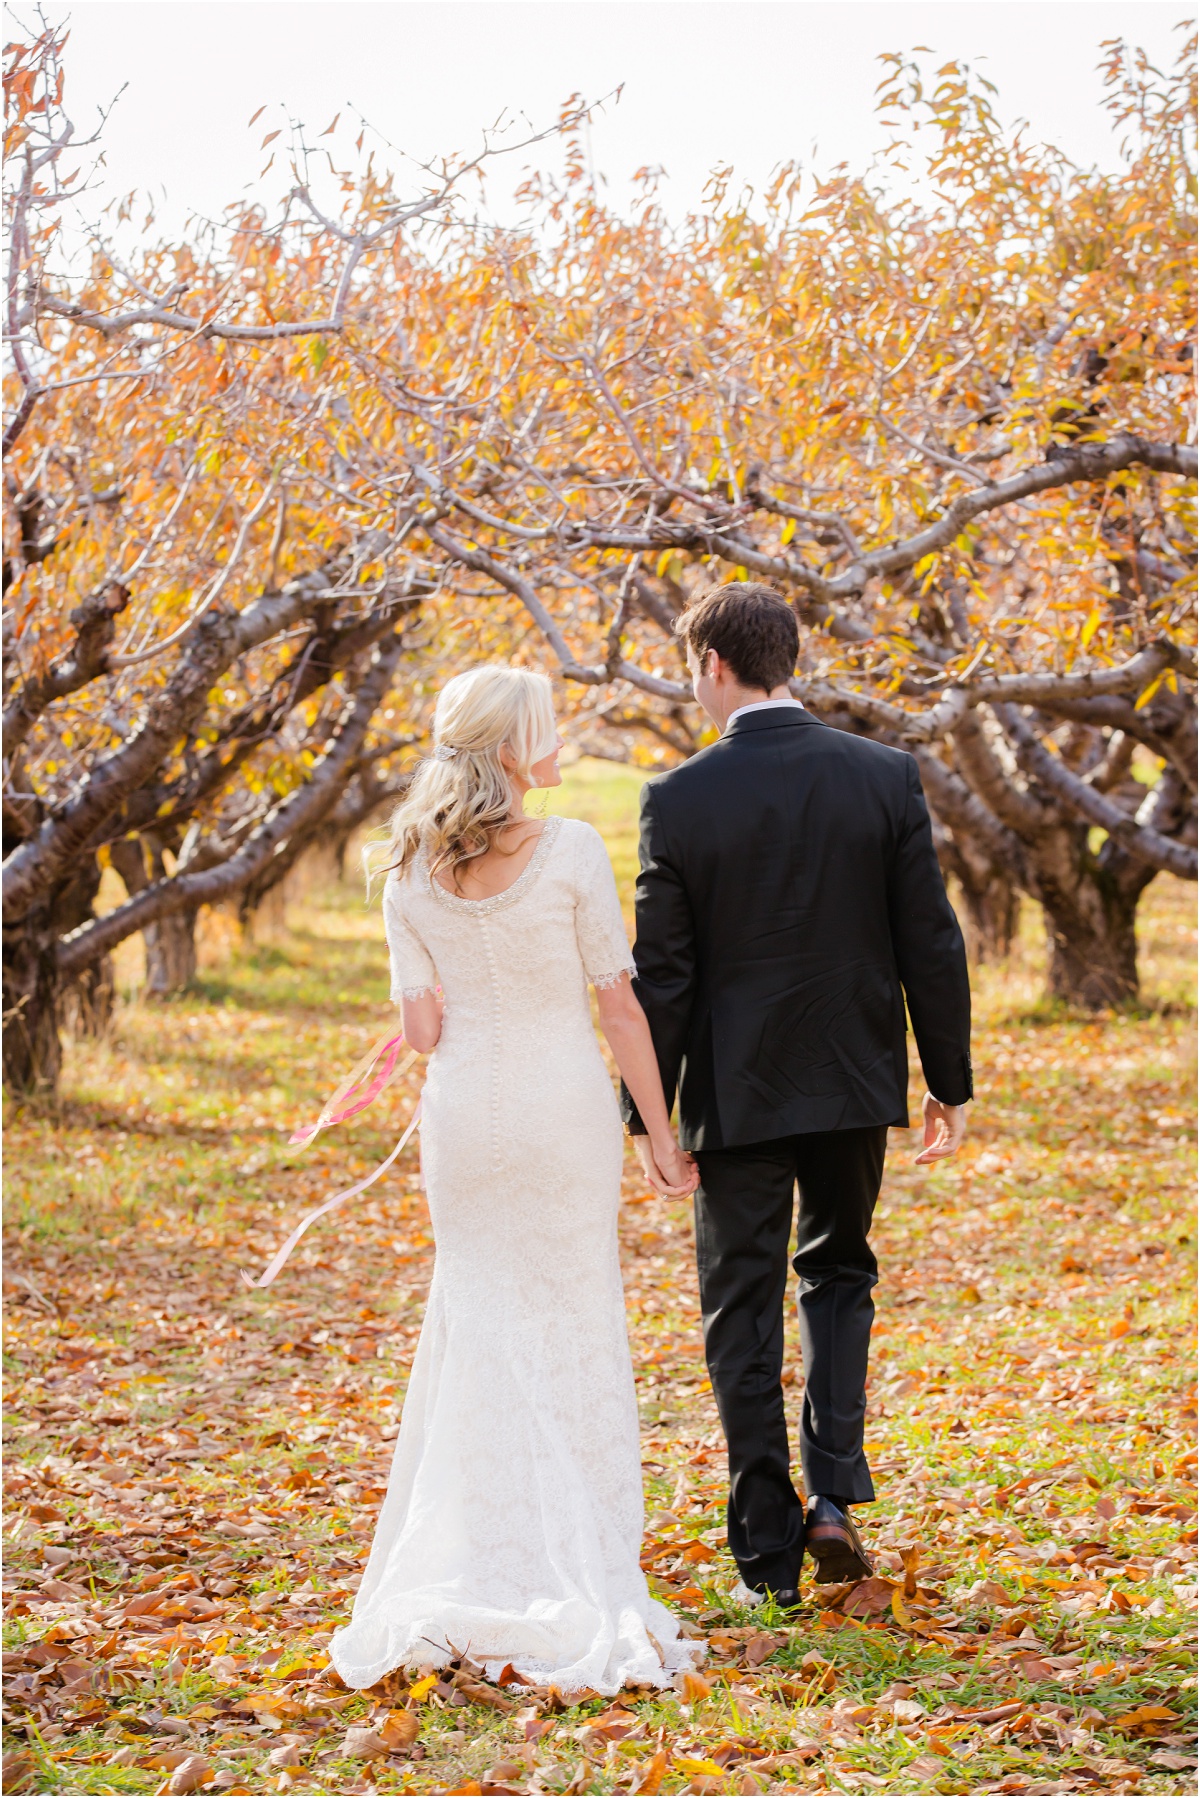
x,y
789,900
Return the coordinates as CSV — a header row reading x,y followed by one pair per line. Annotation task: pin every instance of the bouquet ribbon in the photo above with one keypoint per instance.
x,y
360,1088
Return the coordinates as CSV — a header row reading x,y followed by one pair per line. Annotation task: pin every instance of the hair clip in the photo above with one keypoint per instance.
x,y
444,753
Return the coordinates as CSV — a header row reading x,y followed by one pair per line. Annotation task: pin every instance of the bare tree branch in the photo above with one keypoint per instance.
x,y
1141,841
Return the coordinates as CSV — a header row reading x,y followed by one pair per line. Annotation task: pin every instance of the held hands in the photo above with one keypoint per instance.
x,y
945,1128
666,1167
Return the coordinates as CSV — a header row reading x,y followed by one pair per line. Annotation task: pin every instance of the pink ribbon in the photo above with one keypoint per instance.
x,y
357,1091
280,1256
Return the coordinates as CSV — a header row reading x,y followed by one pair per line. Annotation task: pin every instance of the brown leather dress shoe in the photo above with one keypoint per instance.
x,y
833,1542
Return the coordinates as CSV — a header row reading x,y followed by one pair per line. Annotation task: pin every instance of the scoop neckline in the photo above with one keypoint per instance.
x,y
510,894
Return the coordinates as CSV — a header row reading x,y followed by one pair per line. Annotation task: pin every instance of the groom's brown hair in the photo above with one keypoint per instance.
x,y
751,627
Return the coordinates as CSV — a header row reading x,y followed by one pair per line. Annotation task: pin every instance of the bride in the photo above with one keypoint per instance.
x,y
513,1518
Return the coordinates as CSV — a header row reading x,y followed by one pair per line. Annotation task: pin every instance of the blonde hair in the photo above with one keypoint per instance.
x,y
461,798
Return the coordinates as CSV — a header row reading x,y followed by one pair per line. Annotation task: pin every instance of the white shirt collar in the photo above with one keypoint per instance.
x,y
761,705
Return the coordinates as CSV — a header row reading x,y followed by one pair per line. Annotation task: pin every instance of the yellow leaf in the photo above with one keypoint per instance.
x,y
423,1687
1151,690
1091,627
900,1610
663,563
789,531
686,1764
653,1773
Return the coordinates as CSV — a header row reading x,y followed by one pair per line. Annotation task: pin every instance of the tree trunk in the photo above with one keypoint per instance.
x,y
170,954
171,942
86,1003
1091,970
32,1051
989,899
1090,903
992,907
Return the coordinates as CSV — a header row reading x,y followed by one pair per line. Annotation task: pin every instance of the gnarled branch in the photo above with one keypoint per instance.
x,y
298,811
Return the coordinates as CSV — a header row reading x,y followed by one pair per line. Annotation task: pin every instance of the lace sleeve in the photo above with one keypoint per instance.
x,y
599,926
413,970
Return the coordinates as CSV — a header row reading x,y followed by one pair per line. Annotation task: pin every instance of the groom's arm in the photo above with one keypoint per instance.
x,y
930,954
664,953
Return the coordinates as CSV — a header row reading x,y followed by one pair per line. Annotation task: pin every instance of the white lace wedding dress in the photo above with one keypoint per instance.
x,y
513,1518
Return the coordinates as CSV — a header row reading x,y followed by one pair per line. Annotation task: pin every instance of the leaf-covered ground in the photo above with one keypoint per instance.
x,y
194,1469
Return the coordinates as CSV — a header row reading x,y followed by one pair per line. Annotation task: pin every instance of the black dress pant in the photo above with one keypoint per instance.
x,y
743,1226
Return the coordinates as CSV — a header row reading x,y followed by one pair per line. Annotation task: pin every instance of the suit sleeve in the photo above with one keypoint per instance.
x,y
930,954
664,953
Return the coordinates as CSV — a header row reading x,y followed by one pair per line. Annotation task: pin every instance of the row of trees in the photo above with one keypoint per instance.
x,y
252,528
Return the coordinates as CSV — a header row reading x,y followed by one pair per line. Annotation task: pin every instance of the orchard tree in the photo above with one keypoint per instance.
x,y
208,645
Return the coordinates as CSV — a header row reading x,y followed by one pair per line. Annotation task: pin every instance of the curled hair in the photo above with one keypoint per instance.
x,y
461,799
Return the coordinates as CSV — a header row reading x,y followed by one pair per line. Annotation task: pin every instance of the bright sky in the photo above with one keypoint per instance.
x,y
747,82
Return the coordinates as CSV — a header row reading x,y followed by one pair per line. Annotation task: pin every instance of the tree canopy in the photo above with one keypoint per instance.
x,y
267,483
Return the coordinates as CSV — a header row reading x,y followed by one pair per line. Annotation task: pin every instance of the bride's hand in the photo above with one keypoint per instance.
x,y
667,1167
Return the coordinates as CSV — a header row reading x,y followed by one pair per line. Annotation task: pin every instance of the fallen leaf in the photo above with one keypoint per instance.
x,y
364,1745
478,1693
993,1592
17,1773
911,1560
190,1775
650,1777
399,1730
1145,1717
869,1598
496,1778
760,1648
898,1610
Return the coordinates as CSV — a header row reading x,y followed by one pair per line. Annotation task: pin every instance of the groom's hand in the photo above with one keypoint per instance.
x,y
678,1178
945,1128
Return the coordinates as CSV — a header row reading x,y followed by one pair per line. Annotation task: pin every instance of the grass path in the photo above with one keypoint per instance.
x,y
193,1469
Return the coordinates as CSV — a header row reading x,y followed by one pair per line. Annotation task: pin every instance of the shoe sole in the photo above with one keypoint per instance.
x,y
835,1560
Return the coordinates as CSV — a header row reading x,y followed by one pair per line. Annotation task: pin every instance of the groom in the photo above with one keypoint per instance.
x,y
789,903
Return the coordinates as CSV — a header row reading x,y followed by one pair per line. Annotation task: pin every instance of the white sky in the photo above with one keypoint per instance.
x,y
748,82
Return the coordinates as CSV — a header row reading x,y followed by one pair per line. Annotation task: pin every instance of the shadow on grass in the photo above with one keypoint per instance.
x,y
1051,1012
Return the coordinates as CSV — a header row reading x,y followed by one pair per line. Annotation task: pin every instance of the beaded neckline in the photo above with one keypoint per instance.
x,y
510,895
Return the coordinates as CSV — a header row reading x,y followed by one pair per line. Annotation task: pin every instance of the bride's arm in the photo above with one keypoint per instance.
x,y
624,1025
422,1020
